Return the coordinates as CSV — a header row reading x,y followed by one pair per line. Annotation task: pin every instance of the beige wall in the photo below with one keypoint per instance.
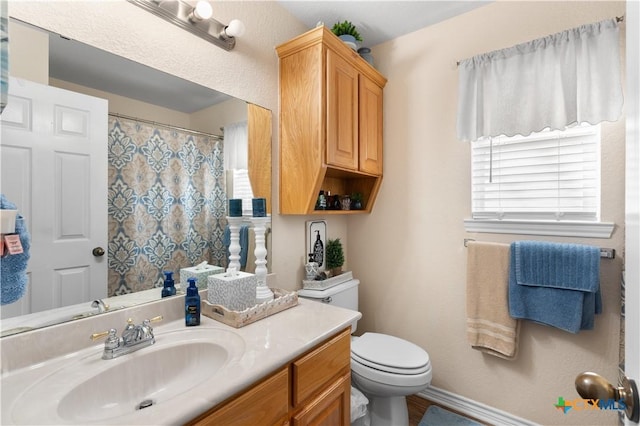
x,y
213,118
409,252
35,66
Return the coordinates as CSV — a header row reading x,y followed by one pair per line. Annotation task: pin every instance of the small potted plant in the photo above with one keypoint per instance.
x,y
335,256
347,32
356,201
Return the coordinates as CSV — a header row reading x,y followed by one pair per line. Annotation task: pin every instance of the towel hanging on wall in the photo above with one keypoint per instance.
x,y
555,284
13,268
490,329
562,79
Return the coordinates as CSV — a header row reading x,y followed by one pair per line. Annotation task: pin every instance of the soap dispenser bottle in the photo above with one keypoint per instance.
x,y
169,288
192,304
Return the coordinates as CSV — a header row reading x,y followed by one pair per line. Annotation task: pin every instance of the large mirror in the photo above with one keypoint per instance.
x,y
177,152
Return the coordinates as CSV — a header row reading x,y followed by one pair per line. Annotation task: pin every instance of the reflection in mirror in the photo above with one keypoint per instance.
x,y
175,152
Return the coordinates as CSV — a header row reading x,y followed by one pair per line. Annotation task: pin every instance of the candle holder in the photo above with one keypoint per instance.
x,y
234,241
263,293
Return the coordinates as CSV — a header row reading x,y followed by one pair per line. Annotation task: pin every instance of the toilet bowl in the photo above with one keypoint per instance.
x,y
384,368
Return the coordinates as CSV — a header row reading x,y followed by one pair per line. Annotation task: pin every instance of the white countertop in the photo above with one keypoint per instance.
x,y
269,344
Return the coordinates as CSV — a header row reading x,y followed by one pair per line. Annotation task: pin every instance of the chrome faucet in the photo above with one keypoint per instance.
x,y
102,307
134,337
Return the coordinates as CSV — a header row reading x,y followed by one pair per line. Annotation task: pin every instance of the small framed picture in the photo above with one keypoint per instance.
x,y
316,237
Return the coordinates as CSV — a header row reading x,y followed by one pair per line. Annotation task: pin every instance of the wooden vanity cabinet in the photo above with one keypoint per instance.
x,y
266,403
314,389
330,123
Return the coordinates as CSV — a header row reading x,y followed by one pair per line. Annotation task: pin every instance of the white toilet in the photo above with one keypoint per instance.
x,y
385,368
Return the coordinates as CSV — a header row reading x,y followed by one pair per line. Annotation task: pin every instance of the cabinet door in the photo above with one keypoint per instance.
x,y
342,113
264,404
332,407
313,371
370,127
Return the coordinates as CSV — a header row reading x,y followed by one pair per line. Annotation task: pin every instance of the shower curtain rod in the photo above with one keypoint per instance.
x,y
168,126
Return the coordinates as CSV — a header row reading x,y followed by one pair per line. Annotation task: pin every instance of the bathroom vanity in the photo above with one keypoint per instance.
x,y
291,367
319,383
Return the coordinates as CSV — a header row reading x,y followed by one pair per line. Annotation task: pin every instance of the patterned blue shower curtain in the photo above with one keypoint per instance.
x,y
166,203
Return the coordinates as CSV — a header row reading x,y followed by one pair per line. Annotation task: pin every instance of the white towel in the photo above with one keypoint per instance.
x,y
490,328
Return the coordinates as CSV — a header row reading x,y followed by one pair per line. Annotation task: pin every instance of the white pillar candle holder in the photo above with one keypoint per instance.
x,y
263,293
234,241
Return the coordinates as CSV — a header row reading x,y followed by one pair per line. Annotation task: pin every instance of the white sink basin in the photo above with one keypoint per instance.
x,y
88,389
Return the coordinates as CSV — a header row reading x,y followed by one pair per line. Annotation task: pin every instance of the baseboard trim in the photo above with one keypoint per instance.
x,y
472,408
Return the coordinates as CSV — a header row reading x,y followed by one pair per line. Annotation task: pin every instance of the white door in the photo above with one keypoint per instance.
x,y
53,155
632,202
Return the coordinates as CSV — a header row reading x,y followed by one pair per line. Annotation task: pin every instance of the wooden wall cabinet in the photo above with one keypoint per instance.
x,y
330,123
314,389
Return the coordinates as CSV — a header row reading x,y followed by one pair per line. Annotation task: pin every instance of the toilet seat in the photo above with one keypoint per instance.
x,y
390,360
389,354
390,379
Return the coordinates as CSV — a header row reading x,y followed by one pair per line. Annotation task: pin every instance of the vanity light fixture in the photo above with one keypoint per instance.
x,y
201,12
234,29
197,20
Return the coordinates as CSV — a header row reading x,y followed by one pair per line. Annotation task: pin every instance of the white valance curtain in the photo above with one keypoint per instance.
x,y
556,81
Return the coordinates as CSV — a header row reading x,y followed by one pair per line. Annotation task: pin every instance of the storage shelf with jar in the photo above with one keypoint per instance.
x,y
330,123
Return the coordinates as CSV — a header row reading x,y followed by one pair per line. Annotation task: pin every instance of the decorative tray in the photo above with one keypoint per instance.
x,y
282,300
328,283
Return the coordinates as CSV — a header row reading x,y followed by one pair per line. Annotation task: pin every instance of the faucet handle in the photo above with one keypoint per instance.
x,y
96,336
146,326
156,319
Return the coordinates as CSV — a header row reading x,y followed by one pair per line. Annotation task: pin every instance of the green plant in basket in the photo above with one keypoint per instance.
x,y
346,28
335,256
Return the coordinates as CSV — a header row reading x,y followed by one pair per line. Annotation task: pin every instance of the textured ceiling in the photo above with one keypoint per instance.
x,y
378,21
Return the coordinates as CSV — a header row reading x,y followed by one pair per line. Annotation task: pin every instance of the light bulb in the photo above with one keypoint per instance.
x,y
202,11
235,28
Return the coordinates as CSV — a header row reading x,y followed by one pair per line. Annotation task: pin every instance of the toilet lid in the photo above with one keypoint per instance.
x,y
389,353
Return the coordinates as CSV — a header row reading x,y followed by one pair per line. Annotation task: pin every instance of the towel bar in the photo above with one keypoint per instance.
x,y
606,253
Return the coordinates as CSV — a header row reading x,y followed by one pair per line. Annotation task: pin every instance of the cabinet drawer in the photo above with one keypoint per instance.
x,y
264,404
317,368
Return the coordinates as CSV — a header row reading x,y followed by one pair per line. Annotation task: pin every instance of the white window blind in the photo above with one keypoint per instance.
x,y
549,175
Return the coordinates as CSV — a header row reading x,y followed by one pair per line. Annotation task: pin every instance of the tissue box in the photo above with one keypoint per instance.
x,y
235,293
201,274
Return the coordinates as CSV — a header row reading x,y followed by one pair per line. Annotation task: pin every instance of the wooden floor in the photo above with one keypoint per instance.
x,y
417,406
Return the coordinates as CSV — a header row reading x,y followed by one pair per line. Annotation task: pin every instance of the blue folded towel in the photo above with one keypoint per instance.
x,y
555,284
13,277
244,243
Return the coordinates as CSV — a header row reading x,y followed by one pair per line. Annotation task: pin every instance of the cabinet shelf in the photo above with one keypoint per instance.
x,y
330,123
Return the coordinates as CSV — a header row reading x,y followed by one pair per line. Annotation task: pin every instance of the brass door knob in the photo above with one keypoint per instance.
x,y
98,252
593,386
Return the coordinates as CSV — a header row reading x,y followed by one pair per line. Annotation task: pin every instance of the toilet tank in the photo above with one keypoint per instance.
x,y
344,295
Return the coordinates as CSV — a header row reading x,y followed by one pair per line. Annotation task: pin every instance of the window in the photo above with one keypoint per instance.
x,y
551,176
